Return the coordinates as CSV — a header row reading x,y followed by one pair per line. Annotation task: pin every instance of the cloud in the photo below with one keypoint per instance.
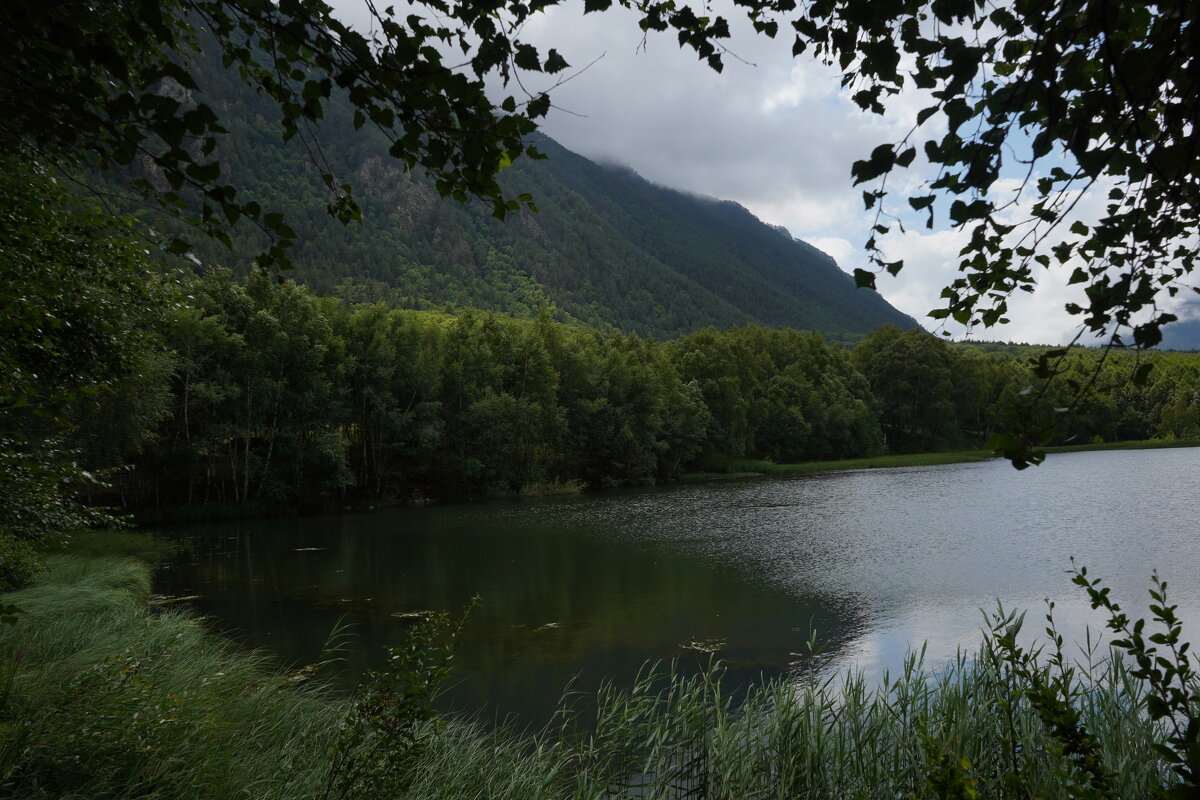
x,y
777,135
931,263
746,134
841,250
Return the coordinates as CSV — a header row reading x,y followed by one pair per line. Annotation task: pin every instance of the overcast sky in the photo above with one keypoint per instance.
x,y
773,133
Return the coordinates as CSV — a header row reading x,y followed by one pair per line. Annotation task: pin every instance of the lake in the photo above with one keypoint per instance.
x,y
875,561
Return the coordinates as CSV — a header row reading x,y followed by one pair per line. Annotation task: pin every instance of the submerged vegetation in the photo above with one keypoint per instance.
x,y
108,696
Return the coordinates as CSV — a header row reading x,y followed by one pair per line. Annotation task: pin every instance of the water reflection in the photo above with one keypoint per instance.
x,y
874,560
559,598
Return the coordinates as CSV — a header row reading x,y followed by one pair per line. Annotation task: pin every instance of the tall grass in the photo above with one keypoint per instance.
x,y
112,700
674,737
119,702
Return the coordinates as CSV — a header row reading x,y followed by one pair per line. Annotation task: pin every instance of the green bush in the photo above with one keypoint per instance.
x,y
18,562
38,485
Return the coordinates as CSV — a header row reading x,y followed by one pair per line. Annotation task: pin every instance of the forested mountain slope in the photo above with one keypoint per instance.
x,y
606,247
719,246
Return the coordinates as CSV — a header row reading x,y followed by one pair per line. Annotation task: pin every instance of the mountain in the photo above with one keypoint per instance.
x,y
606,248
720,248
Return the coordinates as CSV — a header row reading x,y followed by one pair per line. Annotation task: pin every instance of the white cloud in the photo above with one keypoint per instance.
x,y
841,250
931,263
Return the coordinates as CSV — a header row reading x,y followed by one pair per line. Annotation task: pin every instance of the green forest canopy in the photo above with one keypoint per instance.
x,y
280,397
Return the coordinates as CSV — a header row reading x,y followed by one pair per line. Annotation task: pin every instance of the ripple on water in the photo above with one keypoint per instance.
x,y
874,560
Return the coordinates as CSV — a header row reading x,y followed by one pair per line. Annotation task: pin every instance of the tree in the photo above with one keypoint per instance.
x,y
74,295
1078,95
1103,92
106,84
1065,95
917,379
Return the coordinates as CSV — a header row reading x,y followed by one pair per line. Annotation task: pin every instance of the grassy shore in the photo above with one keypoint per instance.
x,y
753,468
111,697
756,468
1141,444
531,491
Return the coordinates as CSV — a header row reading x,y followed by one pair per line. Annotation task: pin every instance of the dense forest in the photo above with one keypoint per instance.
x,y
261,393
177,390
627,334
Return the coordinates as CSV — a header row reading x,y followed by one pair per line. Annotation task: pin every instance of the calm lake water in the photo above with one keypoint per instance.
x,y
876,561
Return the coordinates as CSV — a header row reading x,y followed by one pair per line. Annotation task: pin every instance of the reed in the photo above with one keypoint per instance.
x,y
110,698
675,737
118,701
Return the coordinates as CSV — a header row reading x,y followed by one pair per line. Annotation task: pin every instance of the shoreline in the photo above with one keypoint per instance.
x,y
759,469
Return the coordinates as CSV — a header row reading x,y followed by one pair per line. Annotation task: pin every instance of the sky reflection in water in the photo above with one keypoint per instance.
x,y
874,560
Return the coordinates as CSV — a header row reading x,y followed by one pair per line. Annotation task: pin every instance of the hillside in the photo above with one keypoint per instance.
x,y
606,248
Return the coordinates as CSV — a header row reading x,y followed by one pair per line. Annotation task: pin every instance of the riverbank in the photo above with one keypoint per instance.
x,y
1143,444
109,692
111,696
754,469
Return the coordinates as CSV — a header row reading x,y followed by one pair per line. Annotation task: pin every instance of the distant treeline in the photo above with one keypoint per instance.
x,y
265,393
606,249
